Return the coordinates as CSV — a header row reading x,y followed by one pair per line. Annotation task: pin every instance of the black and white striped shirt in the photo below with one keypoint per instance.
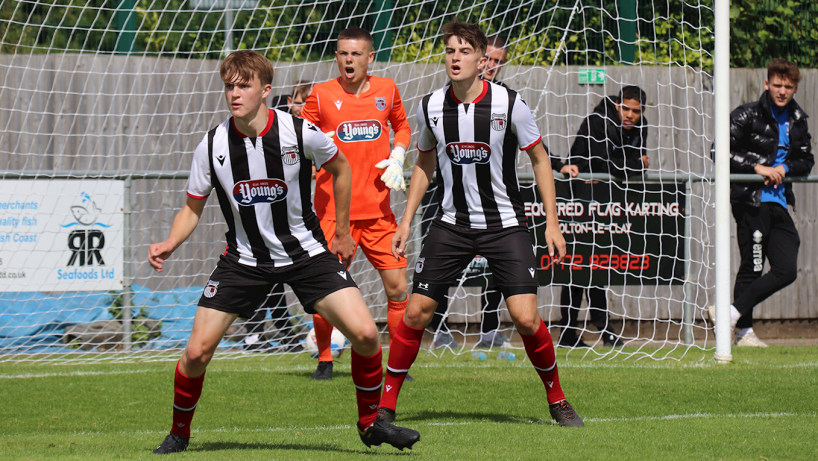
x,y
476,147
264,188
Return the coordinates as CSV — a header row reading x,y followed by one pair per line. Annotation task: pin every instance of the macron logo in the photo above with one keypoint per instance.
x,y
531,271
388,388
180,424
343,274
372,407
338,104
550,384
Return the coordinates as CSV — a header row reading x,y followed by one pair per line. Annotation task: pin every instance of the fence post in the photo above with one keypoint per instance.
x,y
383,36
687,324
125,19
127,300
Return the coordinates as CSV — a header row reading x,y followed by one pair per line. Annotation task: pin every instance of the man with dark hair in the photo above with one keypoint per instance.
x,y
472,129
360,108
768,137
490,337
259,163
610,140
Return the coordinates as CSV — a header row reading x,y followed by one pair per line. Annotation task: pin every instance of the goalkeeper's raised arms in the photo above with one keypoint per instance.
x,y
393,176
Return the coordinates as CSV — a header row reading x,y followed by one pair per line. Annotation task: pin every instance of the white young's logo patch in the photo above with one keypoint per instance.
x,y
343,274
531,271
338,104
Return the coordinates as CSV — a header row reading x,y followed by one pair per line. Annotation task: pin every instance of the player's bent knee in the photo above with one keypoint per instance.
x,y
197,356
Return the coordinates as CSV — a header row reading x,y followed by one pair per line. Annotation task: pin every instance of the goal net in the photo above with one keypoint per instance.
x,y
102,104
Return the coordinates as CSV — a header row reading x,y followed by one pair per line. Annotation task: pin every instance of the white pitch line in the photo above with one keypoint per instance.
x,y
216,367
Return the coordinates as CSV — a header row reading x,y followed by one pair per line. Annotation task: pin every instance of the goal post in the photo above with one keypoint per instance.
x,y
117,94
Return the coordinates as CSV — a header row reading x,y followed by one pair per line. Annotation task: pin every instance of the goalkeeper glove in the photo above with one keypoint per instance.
x,y
393,176
330,134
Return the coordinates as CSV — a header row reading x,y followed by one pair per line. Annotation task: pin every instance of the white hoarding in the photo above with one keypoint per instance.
x,y
61,235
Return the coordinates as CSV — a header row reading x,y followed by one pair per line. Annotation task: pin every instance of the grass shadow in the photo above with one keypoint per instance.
x,y
326,447
430,415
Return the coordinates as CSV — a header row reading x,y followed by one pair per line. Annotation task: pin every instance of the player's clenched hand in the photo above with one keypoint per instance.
x,y
393,176
158,253
555,242
399,242
343,246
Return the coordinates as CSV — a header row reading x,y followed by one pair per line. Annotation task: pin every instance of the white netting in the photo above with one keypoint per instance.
x,y
100,91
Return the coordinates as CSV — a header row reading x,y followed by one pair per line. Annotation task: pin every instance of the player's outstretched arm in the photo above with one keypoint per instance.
x,y
421,177
183,225
343,245
545,182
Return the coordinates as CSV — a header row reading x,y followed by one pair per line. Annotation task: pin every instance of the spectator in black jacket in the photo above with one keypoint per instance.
x,y
610,140
768,137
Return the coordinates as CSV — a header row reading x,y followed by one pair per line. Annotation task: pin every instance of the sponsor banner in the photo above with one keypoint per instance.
x,y
614,236
466,153
356,131
61,235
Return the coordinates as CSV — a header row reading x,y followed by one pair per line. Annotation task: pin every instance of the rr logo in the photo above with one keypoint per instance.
x,y
85,246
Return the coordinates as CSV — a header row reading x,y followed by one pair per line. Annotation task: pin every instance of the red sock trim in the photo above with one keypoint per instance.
x,y
405,348
367,374
540,350
186,393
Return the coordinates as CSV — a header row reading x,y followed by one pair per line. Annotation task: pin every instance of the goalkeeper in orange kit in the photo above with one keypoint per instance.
x,y
358,108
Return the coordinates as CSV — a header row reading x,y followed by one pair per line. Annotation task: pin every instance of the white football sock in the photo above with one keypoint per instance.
x,y
734,315
742,332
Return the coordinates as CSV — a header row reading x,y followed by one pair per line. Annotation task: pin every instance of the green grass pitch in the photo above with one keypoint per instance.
x,y
761,407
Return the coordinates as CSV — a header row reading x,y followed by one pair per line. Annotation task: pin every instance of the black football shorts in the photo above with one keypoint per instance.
x,y
448,249
239,289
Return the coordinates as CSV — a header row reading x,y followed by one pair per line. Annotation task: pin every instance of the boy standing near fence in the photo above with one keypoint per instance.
x,y
259,162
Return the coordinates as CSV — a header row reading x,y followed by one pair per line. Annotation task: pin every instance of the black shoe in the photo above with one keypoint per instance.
x,y
323,372
381,431
386,414
409,378
174,443
571,340
564,414
611,340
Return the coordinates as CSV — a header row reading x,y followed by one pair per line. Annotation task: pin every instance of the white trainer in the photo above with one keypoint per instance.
x,y
749,340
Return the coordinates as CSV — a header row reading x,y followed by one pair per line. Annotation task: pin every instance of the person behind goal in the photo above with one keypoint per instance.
x,y
359,108
474,129
259,162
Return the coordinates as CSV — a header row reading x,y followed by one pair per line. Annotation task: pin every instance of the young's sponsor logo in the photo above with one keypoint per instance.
x,y
254,191
289,155
380,103
466,153
359,130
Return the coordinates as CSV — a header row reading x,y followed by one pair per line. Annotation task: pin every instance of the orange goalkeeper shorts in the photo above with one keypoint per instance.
x,y
374,236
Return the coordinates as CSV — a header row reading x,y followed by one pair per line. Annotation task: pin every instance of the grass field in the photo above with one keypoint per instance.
x,y
761,407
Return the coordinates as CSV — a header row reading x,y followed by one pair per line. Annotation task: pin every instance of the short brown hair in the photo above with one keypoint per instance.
x,y
356,33
471,33
782,68
242,65
497,41
302,88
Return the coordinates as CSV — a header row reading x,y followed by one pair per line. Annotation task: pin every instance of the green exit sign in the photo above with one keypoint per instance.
x,y
592,75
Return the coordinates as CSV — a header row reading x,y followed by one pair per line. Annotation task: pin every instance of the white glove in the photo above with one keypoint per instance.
x,y
393,176
330,134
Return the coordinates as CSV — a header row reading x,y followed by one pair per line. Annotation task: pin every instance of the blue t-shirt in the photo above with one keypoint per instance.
x,y
770,193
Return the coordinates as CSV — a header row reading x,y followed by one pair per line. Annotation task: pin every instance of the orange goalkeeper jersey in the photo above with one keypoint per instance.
x,y
361,132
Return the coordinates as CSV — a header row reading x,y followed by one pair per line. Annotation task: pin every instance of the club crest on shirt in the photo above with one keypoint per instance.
x,y
419,265
380,103
289,155
466,153
251,192
359,130
210,289
498,122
